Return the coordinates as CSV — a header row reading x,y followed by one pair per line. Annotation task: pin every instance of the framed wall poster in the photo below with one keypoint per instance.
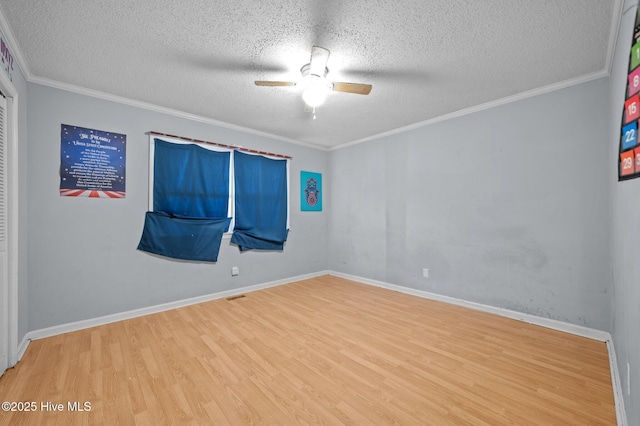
x,y
92,163
310,191
629,153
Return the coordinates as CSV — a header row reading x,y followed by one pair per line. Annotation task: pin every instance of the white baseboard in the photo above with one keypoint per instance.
x,y
107,319
599,335
618,394
22,347
578,330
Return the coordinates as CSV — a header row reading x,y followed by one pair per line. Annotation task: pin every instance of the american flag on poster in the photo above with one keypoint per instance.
x,y
92,163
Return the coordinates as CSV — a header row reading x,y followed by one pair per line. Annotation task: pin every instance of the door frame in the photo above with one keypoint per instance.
x,y
11,304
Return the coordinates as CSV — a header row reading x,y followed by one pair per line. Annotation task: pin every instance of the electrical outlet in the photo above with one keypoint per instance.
x,y
235,271
425,273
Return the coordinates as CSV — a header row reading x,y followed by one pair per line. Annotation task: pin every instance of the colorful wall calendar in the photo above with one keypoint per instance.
x,y
629,160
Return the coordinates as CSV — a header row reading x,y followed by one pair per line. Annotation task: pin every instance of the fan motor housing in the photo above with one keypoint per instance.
x,y
306,70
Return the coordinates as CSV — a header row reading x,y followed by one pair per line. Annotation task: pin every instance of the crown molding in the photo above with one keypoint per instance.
x,y
482,107
164,110
619,10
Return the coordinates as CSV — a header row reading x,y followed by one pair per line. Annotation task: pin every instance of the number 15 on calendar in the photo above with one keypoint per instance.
x,y
632,109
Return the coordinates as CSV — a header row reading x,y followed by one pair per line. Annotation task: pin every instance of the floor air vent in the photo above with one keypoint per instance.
x,y
240,296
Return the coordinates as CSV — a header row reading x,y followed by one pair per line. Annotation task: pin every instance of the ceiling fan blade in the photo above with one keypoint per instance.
x,y
274,83
357,88
318,62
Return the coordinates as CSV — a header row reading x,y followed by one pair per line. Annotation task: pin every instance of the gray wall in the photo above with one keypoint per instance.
x,y
625,235
82,256
506,207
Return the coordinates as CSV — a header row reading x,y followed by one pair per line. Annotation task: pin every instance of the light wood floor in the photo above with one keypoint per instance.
x,y
320,351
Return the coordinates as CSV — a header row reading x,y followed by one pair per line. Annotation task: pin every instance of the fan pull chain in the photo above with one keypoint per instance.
x,y
314,113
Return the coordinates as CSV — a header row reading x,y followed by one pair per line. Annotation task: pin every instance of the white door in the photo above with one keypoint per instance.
x,y
4,253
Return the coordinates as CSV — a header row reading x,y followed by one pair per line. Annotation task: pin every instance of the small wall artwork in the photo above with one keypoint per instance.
x,y
310,191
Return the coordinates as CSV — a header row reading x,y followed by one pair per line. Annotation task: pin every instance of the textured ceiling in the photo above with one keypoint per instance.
x,y
425,59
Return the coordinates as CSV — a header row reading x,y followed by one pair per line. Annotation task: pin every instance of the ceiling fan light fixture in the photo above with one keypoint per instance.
x,y
314,96
314,84
316,90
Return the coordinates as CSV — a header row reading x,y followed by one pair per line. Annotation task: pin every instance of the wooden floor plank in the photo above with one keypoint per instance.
x,y
320,351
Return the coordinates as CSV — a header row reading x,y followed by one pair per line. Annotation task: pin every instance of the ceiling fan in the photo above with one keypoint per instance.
x,y
314,80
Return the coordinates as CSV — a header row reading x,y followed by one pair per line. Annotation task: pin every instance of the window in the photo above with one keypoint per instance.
x,y
190,180
261,202
198,192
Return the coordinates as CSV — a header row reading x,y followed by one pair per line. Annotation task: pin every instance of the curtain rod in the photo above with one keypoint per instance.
x,y
238,148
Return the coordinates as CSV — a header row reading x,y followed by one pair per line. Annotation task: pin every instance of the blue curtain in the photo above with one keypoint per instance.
x,y
183,238
260,202
190,202
190,180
